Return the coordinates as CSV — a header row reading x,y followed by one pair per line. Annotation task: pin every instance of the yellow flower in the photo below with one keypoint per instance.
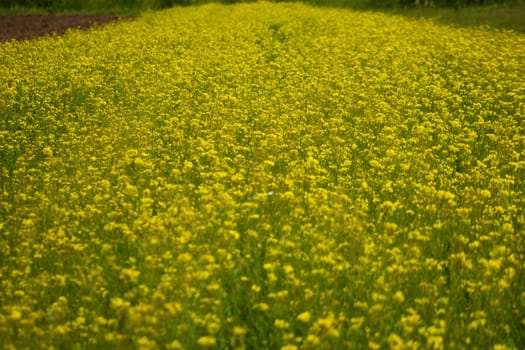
x,y
398,297
281,324
395,342
174,345
289,347
313,339
15,315
130,274
206,341
304,317
119,303
261,306
47,151
239,331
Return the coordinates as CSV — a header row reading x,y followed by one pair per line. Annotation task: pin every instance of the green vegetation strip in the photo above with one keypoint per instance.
x,y
263,176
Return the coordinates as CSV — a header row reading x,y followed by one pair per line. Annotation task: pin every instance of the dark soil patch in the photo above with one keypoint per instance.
x,y
26,27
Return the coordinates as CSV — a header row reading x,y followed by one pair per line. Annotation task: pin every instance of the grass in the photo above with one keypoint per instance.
x,y
263,176
495,16
509,16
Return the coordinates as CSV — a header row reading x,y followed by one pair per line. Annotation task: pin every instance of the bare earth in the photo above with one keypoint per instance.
x,y
26,27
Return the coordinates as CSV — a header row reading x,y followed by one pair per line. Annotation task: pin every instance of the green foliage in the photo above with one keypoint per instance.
x,y
496,16
395,4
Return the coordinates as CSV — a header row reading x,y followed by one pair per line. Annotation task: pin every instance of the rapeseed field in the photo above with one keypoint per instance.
x,y
263,176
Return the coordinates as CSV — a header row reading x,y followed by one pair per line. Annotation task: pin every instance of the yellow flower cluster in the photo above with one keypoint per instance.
x,y
263,176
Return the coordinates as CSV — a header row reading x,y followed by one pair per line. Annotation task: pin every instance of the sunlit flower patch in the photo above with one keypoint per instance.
x,y
263,176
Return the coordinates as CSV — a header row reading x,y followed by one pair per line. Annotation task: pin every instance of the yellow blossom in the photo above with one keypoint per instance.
x,y
207,341
304,317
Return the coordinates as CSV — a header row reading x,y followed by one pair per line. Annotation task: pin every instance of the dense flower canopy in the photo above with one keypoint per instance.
x,y
263,176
